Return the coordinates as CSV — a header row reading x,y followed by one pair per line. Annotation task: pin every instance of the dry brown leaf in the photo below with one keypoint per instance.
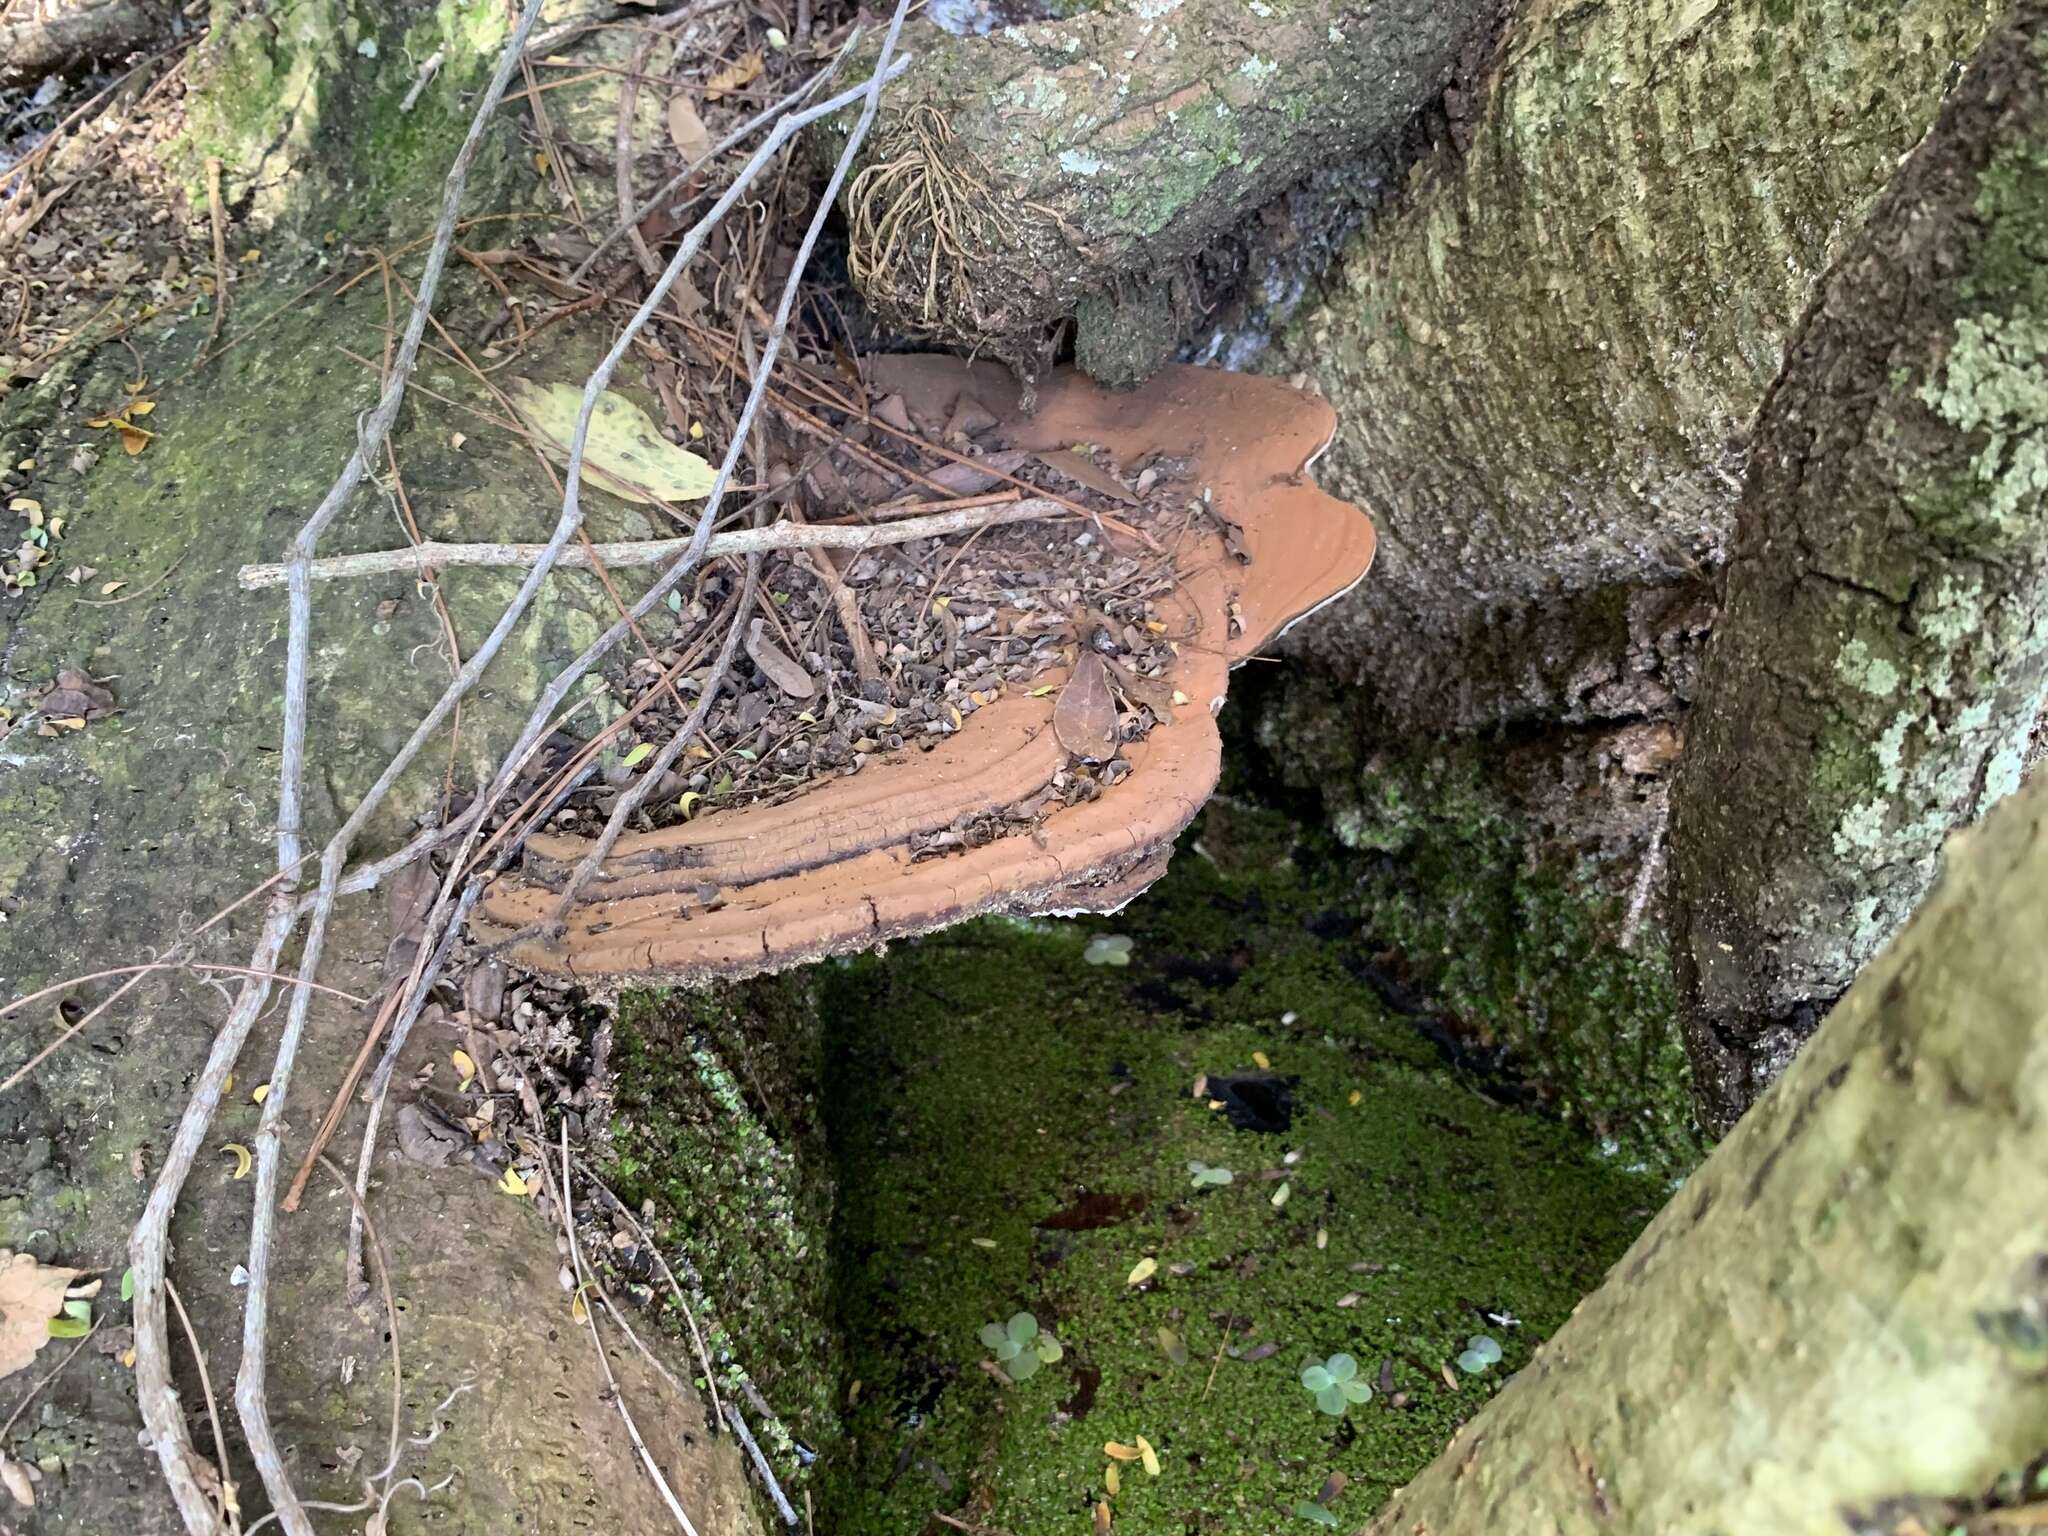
x,y
15,1476
30,1295
734,76
74,695
1084,717
1083,471
686,128
786,674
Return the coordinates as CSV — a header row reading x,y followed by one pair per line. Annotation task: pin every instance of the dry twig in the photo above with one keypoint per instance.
x,y
772,538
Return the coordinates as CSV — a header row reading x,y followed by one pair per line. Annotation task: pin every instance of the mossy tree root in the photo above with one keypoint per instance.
x,y
1842,1312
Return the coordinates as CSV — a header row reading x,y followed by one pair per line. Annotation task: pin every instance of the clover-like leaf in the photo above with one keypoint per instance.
x,y
1333,1401
1316,1379
1357,1391
1022,1327
1024,1366
1471,1362
1008,1350
992,1335
1108,949
1487,1349
1048,1348
1341,1367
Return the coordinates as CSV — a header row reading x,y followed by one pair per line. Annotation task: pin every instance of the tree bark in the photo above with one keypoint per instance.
x,y
1882,652
1546,355
97,30
1837,1322
1080,165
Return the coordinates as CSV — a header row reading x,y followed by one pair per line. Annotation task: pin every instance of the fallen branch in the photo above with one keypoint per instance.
x,y
639,552
156,1392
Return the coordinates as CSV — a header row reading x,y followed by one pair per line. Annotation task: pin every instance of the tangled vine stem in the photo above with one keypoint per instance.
x,y
162,1411
148,1246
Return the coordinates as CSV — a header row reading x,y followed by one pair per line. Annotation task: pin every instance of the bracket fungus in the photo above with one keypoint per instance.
x,y
844,864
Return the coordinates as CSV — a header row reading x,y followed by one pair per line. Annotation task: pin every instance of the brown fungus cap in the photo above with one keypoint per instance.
x,y
764,887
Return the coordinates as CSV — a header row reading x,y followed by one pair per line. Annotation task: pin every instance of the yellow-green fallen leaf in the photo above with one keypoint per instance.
x,y
1117,1452
577,1311
511,1183
1262,1061
1112,1480
982,1242
640,754
1355,1097
1280,1195
686,805
1149,1456
240,1153
1142,1271
623,453
465,1069
259,1093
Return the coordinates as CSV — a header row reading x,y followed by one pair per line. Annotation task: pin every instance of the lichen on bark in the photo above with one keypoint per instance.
x,y
1546,353
1882,653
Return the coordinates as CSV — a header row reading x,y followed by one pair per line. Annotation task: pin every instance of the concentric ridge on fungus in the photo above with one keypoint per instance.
x,y
764,887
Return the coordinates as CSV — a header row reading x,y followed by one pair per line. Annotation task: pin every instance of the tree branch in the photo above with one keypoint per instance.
x,y
639,552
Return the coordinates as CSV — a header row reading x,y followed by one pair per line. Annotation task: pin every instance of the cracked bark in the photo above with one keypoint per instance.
x,y
1882,650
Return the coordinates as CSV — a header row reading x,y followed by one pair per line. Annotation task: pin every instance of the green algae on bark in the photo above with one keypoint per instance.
x,y
1012,1129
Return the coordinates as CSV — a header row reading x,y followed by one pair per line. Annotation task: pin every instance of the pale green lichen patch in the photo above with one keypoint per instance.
x,y
1873,674
1994,382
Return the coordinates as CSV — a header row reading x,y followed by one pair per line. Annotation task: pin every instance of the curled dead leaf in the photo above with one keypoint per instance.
x,y
692,139
735,76
31,1294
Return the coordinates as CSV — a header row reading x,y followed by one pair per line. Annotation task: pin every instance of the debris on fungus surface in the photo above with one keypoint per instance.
x,y
846,862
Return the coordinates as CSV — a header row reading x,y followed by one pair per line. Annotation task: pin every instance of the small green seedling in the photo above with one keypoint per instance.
x,y
1108,949
1308,1509
1205,1175
1019,1347
1335,1385
1480,1352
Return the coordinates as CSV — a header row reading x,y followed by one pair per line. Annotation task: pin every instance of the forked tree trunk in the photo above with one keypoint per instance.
x,y
1838,1322
1880,658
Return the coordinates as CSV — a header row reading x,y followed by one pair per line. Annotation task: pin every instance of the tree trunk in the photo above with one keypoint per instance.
x,y
1083,164
1837,1323
95,31
1881,656
1546,355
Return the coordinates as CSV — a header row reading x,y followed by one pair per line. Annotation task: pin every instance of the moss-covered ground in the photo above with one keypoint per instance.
x,y
1011,1128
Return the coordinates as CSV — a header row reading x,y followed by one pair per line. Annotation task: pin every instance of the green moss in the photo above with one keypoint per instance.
x,y
983,1080
717,1127
1511,943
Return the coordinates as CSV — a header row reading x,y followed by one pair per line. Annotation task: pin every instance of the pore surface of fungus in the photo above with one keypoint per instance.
x,y
844,865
